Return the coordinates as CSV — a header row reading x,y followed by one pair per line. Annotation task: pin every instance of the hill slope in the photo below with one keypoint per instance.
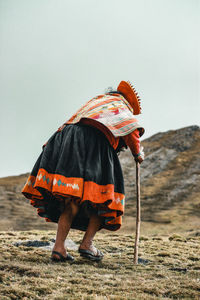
x,y
170,187
170,179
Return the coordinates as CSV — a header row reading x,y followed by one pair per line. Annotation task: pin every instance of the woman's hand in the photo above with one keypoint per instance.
x,y
140,157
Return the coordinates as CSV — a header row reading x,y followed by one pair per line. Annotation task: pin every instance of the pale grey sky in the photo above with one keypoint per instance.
x,y
57,54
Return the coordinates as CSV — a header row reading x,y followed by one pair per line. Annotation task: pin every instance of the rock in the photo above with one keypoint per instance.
x,y
47,245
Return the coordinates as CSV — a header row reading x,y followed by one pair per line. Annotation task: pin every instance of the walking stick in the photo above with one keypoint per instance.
x,y
137,235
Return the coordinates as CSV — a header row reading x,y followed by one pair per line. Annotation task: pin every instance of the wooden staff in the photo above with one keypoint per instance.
x,y
137,235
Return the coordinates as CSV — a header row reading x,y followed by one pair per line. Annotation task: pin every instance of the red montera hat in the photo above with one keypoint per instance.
x,y
130,94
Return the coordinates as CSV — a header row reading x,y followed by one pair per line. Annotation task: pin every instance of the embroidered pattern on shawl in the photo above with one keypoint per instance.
x,y
112,111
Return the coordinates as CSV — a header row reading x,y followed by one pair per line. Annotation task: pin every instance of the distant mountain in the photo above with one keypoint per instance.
x,y
15,211
170,186
170,178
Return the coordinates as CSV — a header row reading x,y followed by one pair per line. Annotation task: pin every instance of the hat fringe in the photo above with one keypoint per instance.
x,y
131,95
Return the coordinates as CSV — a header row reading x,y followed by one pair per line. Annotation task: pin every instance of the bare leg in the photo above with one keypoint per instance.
x,y
93,227
64,224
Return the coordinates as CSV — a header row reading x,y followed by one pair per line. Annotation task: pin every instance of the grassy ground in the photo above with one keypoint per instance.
x,y
172,273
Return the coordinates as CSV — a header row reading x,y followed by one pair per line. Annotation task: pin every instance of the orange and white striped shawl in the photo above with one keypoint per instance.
x,y
111,110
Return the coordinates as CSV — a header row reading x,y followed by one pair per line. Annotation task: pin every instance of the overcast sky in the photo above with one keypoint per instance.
x,y
57,54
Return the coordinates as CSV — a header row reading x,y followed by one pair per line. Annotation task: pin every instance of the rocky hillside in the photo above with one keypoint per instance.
x,y
170,187
170,178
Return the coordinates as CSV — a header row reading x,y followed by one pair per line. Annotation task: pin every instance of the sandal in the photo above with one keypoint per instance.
x,y
90,255
62,258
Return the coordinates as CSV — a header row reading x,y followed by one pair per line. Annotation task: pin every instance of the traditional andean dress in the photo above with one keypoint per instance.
x,y
80,162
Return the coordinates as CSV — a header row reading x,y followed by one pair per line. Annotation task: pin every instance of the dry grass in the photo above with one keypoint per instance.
x,y
172,273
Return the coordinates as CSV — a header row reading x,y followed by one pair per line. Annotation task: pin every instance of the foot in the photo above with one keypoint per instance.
x,y
58,257
91,248
62,251
91,253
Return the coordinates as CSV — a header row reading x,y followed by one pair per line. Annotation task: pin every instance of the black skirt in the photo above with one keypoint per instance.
x,y
78,163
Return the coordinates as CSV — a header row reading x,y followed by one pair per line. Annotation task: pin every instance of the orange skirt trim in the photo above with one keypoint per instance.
x,y
54,183
103,193
111,203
